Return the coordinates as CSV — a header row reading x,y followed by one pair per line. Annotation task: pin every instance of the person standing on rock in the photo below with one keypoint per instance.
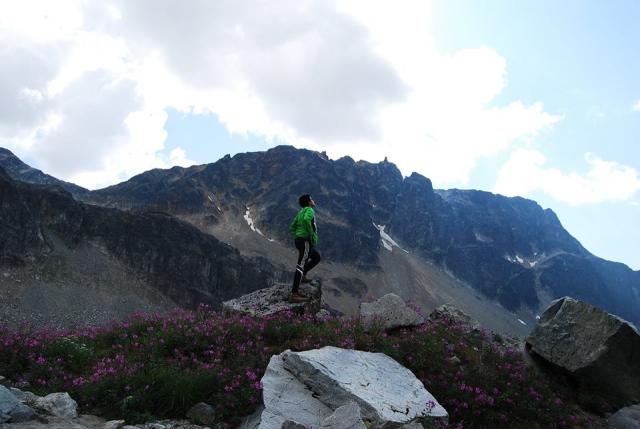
x,y
303,229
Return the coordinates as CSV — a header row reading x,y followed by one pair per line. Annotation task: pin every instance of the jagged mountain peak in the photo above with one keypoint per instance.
x,y
509,249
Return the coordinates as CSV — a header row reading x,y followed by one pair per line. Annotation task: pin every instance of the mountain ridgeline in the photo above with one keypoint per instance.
x,y
63,243
509,249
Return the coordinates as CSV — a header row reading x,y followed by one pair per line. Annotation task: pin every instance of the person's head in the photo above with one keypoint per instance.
x,y
306,201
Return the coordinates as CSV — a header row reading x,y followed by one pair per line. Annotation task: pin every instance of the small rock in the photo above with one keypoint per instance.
x,y
626,418
323,314
345,417
4,381
202,413
114,424
290,424
22,384
454,315
455,360
252,421
58,404
155,426
391,311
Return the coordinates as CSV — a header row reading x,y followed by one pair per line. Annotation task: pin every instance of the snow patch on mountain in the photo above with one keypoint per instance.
x,y
247,217
388,242
525,262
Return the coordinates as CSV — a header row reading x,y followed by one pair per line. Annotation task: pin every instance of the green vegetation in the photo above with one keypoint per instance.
x,y
154,366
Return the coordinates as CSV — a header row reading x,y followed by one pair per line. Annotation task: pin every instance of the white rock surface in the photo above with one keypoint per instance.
x,y
114,424
391,311
328,378
286,398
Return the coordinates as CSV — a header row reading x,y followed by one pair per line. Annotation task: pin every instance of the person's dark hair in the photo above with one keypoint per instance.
x,y
304,200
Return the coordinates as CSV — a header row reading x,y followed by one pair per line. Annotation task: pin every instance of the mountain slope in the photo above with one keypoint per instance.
x,y
52,246
509,249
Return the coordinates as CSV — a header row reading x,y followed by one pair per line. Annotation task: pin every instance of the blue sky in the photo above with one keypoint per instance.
x,y
530,98
581,58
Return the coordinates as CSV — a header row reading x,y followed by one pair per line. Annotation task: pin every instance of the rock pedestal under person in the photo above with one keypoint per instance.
x,y
303,228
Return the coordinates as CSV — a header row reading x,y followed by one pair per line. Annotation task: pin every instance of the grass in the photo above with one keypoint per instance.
x,y
158,366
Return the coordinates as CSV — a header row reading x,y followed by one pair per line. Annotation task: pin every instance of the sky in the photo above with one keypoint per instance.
x,y
533,98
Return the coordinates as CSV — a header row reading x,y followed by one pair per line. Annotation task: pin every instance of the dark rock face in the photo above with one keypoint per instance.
x,y
508,248
187,265
601,351
18,170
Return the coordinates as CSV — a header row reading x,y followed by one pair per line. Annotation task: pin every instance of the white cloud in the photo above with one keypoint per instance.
x,y
636,106
526,172
350,77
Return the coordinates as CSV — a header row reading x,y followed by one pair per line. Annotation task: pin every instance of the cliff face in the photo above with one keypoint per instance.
x,y
43,226
510,250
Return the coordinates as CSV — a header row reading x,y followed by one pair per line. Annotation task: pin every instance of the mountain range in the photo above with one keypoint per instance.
x,y
202,234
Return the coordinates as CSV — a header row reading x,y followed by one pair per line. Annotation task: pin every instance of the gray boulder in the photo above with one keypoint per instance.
x,y
58,404
203,414
387,393
601,351
454,315
345,417
12,410
8,402
275,299
626,418
391,311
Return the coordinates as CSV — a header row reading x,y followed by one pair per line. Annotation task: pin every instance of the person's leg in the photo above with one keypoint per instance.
x,y
312,260
300,245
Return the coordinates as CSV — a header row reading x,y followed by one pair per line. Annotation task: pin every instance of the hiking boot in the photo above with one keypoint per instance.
x,y
305,279
297,297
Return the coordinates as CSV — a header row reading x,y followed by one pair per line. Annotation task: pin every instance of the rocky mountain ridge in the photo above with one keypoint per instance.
x,y
510,249
390,233
47,239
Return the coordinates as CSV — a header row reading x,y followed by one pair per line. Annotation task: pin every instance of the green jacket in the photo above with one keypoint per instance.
x,y
304,225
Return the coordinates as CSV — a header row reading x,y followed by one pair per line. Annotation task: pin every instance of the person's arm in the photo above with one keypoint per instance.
x,y
308,222
293,226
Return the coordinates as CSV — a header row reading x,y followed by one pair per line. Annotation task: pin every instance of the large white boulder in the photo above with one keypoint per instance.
x,y
287,398
390,311
307,387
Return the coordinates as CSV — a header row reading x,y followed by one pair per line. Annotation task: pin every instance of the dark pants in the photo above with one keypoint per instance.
x,y
313,257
